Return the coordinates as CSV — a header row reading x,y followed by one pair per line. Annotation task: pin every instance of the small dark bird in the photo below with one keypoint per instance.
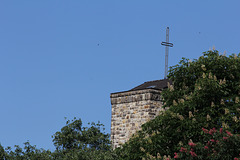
x,y
98,44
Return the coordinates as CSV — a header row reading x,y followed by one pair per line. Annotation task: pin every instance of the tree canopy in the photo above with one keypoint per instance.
x,y
73,142
77,142
205,94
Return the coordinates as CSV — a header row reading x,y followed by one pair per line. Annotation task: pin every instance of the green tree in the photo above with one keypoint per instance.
x,y
3,154
205,93
73,135
77,142
73,142
29,152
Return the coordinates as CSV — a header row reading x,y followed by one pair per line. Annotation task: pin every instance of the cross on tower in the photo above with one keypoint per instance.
x,y
167,44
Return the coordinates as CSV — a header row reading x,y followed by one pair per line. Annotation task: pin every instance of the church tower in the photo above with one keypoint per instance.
x,y
131,109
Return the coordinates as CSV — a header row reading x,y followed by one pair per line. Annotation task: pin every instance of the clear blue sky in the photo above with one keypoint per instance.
x,y
63,58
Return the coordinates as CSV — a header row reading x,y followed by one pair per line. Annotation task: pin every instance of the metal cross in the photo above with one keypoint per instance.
x,y
167,44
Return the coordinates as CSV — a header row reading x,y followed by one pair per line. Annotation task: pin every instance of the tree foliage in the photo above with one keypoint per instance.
x,y
77,142
73,142
205,93
218,145
29,152
74,136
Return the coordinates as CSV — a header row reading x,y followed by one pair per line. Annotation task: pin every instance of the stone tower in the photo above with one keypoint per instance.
x,y
130,109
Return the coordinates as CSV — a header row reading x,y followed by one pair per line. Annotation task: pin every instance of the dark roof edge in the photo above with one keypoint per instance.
x,y
136,90
159,84
128,93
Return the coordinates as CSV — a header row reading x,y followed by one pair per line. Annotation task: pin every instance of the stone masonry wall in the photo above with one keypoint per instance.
x,y
130,110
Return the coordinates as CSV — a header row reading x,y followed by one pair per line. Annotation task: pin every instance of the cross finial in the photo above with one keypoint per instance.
x,y
167,44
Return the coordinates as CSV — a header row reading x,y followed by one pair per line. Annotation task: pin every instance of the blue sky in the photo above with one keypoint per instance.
x,y
63,58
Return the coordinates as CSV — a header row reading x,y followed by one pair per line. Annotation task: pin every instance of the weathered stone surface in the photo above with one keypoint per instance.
x,y
130,110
